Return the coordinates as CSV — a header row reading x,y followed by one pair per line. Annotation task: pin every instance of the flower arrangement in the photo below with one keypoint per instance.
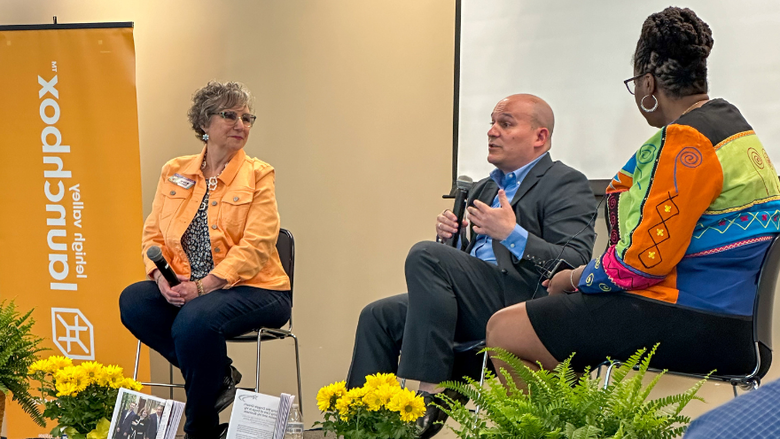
x,y
381,409
79,398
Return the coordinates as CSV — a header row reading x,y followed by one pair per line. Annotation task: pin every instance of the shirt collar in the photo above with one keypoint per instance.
x,y
515,177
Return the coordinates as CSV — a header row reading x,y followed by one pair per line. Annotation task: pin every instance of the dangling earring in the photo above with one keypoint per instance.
x,y
205,137
642,104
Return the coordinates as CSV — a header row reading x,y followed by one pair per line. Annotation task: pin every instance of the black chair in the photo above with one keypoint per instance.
x,y
285,245
763,307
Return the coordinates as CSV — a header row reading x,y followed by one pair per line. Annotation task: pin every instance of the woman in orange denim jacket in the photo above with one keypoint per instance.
x,y
215,219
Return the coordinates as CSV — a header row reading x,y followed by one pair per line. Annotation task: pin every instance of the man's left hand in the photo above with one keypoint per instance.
x,y
496,223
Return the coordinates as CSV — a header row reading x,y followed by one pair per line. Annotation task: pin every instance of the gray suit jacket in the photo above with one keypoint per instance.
x,y
553,203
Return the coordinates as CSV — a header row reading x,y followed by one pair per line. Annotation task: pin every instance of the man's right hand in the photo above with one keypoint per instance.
x,y
447,224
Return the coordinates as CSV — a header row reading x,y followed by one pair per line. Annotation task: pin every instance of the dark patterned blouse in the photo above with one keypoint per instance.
x,y
197,244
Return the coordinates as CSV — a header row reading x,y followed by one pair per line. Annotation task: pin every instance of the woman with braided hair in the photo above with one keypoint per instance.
x,y
690,216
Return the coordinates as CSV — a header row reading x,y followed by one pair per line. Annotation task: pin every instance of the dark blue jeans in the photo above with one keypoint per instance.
x,y
193,337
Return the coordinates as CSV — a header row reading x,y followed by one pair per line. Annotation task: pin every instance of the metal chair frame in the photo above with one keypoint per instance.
x,y
763,307
470,346
285,245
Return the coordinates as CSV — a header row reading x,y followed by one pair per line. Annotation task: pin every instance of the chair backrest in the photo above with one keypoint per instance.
x,y
764,304
765,294
285,246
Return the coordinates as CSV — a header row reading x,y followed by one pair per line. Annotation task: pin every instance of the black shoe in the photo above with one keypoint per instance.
x,y
228,392
427,425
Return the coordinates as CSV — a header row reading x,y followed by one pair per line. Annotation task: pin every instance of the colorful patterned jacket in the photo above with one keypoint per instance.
x,y
691,215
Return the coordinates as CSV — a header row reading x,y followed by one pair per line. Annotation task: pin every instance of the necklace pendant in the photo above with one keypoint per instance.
x,y
212,183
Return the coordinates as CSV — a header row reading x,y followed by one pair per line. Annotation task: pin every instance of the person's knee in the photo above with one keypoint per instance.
x,y
372,315
131,302
421,253
384,317
496,332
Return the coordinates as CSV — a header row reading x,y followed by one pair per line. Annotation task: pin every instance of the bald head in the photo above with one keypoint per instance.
x,y
537,110
519,132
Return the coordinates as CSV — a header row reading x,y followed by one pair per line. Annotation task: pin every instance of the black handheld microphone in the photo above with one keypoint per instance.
x,y
463,186
155,255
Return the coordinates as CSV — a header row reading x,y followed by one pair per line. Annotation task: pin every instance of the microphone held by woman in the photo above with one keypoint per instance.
x,y
155,255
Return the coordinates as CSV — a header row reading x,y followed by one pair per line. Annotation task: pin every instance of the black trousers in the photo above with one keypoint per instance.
x,y
192,337
451,297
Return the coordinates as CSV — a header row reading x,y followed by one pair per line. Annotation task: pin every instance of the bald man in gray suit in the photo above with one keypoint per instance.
x,y
527,213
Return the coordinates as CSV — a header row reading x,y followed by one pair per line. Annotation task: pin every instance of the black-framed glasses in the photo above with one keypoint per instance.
x,y
231,116
631,83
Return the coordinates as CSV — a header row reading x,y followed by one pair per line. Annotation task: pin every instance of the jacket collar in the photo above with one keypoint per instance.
x,y
193,167
533,176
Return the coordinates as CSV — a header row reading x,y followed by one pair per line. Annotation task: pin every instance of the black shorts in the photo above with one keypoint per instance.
x,y
615,325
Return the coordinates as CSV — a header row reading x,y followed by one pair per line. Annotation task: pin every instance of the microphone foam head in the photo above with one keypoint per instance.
x,y
464,182
154,253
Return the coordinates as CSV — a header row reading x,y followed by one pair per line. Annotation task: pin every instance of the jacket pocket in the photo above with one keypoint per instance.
x,y
173,198
235,208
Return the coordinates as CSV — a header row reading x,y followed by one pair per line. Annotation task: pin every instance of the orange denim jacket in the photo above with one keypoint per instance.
x,y
243,221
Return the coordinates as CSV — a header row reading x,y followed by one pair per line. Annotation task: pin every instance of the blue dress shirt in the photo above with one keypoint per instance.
x,y
515,242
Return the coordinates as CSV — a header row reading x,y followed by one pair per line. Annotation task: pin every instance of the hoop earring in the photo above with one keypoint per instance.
x,y
205,137
645,109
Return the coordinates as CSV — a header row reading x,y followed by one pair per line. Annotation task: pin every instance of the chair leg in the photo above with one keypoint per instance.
x,y
298,368
484,366
137,359
170,377
734,387
481,382
403,383
608,375
257,366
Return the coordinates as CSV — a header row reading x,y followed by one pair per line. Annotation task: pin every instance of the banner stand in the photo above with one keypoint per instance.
x,y
71,167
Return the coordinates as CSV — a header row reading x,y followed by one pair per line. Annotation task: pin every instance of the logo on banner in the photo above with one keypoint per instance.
x,y
73,333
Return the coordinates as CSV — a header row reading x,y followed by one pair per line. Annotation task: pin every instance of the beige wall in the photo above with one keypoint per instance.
x,y
354,105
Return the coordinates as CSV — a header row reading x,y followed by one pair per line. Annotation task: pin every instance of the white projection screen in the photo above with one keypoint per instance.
x,y
575,55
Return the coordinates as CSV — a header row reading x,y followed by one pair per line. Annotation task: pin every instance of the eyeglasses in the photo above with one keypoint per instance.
x,y
631,83
231,116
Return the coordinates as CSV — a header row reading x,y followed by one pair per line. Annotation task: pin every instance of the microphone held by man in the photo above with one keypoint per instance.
x,y
462,188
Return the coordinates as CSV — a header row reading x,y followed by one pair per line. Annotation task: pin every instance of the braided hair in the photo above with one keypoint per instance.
x,y
673,47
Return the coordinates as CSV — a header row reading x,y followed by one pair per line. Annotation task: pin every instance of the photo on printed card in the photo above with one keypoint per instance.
x,y
139,416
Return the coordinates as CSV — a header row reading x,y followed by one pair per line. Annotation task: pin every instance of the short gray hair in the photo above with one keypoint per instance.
x,y
213,98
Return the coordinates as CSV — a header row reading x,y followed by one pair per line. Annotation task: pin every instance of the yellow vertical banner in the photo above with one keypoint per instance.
x,y
70,173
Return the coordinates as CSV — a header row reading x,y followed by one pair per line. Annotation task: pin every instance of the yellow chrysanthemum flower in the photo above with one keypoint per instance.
x,y
66,389
377,398
409,405
72,375
372,400
93,370
357,394
57,362
38,366
387,392
128,383
327,396
111,374
343,405
376,380
352,399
